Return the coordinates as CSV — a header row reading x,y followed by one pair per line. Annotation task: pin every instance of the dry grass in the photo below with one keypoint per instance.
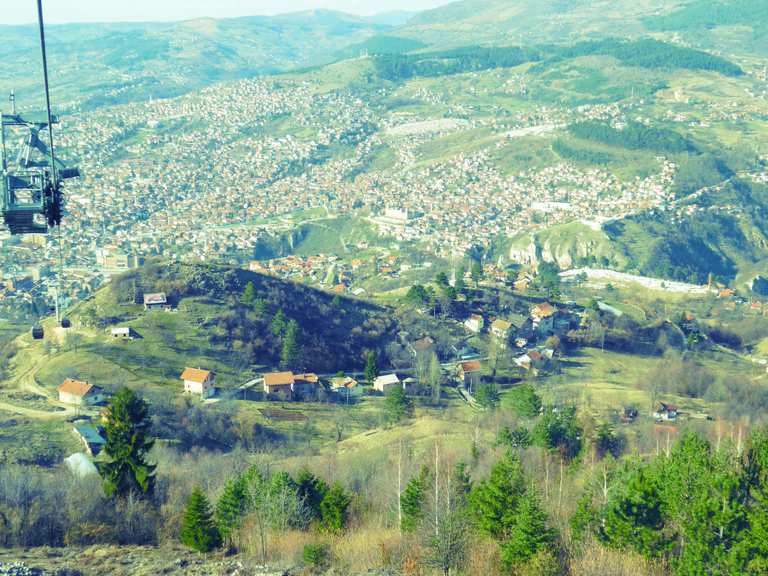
x,y
596,560
365,549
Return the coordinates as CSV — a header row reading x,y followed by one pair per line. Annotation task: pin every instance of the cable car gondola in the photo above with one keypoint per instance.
x,y
38,333
66,323
31,185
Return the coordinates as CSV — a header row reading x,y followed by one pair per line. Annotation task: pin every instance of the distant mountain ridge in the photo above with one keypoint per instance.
x,y
738,25
98,64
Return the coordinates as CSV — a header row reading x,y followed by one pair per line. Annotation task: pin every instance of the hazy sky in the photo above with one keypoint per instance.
x,y
60,11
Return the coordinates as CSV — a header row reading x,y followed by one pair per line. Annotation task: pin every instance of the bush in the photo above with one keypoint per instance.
x,y
524,401
317,556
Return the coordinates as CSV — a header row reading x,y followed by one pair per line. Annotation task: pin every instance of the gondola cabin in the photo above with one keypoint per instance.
x,y
38,333
31,178
65,323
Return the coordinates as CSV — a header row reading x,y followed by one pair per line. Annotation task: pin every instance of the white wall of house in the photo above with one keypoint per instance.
x,y
75,400
204,389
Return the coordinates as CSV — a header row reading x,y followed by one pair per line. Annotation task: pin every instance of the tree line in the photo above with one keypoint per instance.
x,y
696,507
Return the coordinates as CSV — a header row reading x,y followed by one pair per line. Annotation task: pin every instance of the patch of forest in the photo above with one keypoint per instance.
x,y
652,54
268,319
634,136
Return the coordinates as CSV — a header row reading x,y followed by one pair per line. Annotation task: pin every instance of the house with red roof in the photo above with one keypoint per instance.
x,y
80,393
198,381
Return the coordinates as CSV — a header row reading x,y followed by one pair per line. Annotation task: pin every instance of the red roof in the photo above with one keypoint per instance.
x,y
76,387
544,310
471,366
196,375
155,298
279,379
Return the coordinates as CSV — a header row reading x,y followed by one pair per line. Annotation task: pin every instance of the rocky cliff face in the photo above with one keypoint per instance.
x,y
569,246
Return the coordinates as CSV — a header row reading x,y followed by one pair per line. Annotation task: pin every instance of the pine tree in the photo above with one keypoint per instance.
x,y
249,294
198,530
487,395
494,502
397,405
289,356
128,444
371,368
311,492
334,509
231,507
703,498
412,501
751,554
634,517
260,308
279,323
531,533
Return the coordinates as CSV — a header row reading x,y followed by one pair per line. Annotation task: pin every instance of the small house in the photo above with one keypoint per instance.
x,y
524,362
665,412
278,384
412,386
423,347
80,393
544,317
386,383
475,323
470,373
501,329
156,301
122,333
346,387
198,381
522,325
305,385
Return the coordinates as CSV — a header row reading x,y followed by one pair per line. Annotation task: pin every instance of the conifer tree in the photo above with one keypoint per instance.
x,y
634,516
279,323
198,530
412,501
334,509
289,356
494,501
311,491
249,294
531,533
751,553
128,443
231,508
397,405
371,368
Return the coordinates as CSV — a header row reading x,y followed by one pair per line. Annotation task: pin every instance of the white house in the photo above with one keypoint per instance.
x,y
122,333
475,323
155,301
80,393
500,330
386,382
197,381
